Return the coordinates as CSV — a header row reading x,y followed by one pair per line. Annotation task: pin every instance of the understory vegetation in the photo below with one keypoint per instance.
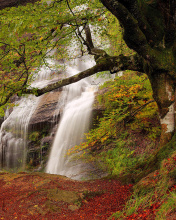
x,y
125,138
129,128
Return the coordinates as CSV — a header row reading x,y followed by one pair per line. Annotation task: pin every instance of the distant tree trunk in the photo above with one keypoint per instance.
x,y
164,94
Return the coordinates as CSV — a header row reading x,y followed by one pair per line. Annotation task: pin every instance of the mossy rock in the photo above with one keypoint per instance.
x,y
63,195
147,183
50,206
34,136
154,161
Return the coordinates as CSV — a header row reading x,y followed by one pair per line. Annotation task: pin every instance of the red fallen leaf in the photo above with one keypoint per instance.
x,y
99,207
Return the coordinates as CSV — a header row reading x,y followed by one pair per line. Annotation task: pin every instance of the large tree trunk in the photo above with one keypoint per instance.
x,y
164,95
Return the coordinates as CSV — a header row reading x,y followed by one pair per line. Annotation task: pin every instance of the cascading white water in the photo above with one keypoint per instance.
x,y
13,133
77,98
75,120
14,129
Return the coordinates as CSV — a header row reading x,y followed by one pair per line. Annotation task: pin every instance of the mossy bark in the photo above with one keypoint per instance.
x,y
107,63
164,94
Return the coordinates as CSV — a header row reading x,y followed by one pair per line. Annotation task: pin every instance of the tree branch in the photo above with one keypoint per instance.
x,y
89,37
112,64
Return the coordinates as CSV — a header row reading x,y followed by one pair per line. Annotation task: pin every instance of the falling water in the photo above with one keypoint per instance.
x,y
14,129
74,122
13,133
77,100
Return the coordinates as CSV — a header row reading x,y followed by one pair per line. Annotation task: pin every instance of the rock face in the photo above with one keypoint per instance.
x,y
98,109
43,126
46,113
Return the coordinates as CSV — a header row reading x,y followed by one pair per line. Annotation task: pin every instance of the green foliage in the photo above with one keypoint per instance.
x,y
30,32
34,136
115,33
119,158
167,207
111,142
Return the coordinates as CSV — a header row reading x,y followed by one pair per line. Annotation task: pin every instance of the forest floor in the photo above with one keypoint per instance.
x,y
41,196
45,196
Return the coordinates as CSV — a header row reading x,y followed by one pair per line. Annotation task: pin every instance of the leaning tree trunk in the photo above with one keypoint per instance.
x,y
164,95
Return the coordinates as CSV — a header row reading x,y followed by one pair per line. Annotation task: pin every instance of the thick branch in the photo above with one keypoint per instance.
x,y
134,9
88,36
112,64
133,35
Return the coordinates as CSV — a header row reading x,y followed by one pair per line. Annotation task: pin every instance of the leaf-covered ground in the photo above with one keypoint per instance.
x,y
40,196
44,196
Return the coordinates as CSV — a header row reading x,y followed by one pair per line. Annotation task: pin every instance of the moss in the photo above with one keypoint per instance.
x,y
34,136
150,164
50,206
62,195
154,161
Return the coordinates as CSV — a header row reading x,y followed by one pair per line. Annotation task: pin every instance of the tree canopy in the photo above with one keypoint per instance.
x,y
35,29
29,32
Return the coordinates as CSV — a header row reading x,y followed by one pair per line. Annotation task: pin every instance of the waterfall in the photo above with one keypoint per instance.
x,y
78,98
14,129
13,133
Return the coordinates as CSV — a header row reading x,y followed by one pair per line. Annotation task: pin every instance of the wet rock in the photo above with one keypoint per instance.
x,y
46,141
97,106
38,154
46,113
43,127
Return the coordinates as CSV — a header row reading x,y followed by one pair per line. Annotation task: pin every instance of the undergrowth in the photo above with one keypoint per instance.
x,y
154,197
127,135
129,127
